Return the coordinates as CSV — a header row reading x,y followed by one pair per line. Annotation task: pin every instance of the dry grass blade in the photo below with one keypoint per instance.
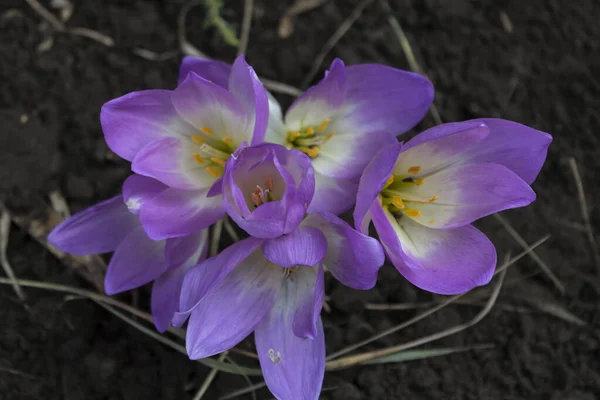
x,y
153,56
209,378
46,15
584,212
185,46
90,34
339,33
4,236
280,87
519,239
364,357
286,23
411,355
246,24
430,311
555,310
241,392
216,237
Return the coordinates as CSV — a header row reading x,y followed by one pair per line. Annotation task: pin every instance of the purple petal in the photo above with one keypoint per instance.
x,y
518,147
443,261
205,276
383,98
177,212
301,169
246,87
320,102
98,229
352,258
305,246
310,295
136,261
465,193
216,72
165,297
171,161
371,183
293,367
233,308
136,119
333,195
137,189
188,249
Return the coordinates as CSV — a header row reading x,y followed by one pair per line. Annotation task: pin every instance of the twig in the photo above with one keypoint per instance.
x,y
246,24
153,56
584,211
216,237
286,23
280,87
97,36
47,15
334,39
185,46
209,378
4,235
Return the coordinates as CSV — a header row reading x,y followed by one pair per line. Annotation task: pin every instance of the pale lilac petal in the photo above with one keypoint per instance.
x,y
171,161
293,367
234,307
205,104
352,258
136,261
305,246
165,297
320,102
247,89
136,119
177,212
98,229
216,72
465,193
137,189
384,98
276,130
200,280
520,148
301,169
333,195
310,295
372,182
189,249
443,261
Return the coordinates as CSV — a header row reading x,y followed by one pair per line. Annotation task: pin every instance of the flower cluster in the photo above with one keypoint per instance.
x,y
220,145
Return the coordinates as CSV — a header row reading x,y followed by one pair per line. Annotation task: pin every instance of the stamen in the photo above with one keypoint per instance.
x,y
218,161
293,135
312,152
211,151
310,131
256,199
206,130
269,183
419,181
328,137
323,125
414,170
228,140
411,212
198,139
432,199
397,201
198,159
389,180
213,171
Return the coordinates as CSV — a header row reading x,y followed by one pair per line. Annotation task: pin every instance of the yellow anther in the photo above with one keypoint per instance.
x,y
389,180
198,159
431,222
397,202
213,171
228,140
218,161
269,183
323,125
414,170
310,131
419,181
328,137
312,152
411,212
198,139
206,130
293,135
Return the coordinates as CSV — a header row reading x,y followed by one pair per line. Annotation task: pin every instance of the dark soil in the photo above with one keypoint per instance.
x,y
543,71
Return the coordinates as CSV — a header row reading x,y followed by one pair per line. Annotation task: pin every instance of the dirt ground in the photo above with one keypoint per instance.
x,y
536,62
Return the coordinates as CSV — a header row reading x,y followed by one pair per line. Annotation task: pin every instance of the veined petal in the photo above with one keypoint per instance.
x,y
171,161
293,367
352,258
310,295
234,307
207,106
201,279
216,72
333,195
132,121
465,193
186,250
443,261
98,229
305,246
137,189
518,147
177,212
247,89
164,300
320,102
136,261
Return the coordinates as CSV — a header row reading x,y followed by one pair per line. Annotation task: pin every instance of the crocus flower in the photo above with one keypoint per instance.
x,y
183,139
272,282
341,122
113,225
423,195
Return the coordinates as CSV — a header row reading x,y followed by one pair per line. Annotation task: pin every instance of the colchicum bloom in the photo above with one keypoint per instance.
x,y
113,225
183,138
423,195
272,282
341,122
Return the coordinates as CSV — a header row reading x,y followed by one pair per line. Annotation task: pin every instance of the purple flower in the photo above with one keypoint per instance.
x,y
183,139
423,195
341,122
267,189
112,225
